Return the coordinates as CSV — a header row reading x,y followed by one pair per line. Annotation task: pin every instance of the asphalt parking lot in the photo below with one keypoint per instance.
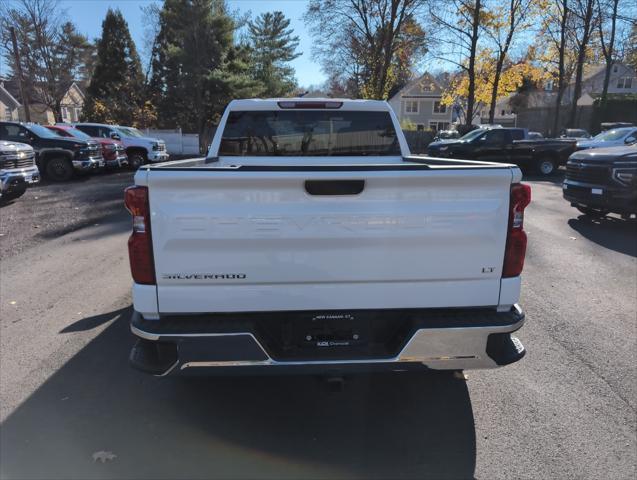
x,y
72,408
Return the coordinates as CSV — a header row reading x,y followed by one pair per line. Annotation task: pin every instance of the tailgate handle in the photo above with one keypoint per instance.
x,y
334,187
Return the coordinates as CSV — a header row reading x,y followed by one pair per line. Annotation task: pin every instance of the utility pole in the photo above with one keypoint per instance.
x,y
16,53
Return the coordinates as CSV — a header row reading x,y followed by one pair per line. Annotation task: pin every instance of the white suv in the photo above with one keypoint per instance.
x,y
140,149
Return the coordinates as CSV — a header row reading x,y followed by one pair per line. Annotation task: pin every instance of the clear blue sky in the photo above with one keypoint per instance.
x,y
88,16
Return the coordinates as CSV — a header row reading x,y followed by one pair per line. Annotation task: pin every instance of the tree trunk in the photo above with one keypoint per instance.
x,y
500,63
472,63
496,83
581,56
57,112
577,89
608,51
560,74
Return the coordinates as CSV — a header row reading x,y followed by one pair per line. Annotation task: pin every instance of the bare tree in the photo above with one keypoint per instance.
x,y
561,84
585,23
607,39
501,29
52,52
152,26
458,27
364,37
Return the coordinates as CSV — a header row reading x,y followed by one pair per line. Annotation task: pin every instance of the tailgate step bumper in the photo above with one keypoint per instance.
x,y
436,339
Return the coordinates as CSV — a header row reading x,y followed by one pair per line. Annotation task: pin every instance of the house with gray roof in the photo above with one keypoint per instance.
x,y
420,103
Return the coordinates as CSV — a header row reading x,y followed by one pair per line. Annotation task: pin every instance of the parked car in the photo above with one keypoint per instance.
x,y
139,148
57,157
17,169
446,135
297,244
112,150
602,180
574,133
505,145
535,136
610,138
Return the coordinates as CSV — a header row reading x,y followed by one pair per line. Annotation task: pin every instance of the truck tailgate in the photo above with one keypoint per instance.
x,y
244,240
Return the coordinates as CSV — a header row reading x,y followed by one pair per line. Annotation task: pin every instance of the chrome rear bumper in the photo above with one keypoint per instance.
x,y
452,347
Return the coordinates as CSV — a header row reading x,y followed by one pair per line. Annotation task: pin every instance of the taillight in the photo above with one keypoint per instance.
x,y
140,246
516,237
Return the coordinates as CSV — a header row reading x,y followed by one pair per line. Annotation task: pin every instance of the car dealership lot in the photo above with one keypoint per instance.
x,y
68,398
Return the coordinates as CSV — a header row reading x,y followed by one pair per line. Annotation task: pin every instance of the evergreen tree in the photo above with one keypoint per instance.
x,y
196,68
116,91
273,47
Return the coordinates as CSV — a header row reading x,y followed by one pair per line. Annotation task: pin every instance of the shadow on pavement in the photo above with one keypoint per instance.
x,y
610,232
401,425
89,323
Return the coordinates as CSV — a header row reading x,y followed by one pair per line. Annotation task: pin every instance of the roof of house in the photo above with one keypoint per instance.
x,y
6,97
13,87
425,80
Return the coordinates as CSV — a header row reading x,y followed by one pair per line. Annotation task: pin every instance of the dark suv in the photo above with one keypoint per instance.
x,y
602,180
57,157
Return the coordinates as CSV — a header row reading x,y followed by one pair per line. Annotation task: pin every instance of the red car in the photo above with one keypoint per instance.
x,y
112,150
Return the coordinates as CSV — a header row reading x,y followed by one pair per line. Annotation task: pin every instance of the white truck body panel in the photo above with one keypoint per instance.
x,y
415,239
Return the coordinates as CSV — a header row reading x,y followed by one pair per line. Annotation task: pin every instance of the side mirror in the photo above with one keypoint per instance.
x,y
115,136
630,140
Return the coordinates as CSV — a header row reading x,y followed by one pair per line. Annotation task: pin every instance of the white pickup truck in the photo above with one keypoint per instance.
x,y
309,239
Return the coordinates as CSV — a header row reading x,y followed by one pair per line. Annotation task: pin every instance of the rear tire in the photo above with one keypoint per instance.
x,y
546,167
592,212
59,169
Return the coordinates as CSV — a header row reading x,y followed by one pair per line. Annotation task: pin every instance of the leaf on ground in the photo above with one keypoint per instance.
x,y
103,456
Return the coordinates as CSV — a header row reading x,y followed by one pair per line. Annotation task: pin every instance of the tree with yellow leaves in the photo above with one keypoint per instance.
x,y
510,79
504,21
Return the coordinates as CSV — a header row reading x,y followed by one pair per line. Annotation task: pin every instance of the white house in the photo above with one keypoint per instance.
x,y
420,102
11,107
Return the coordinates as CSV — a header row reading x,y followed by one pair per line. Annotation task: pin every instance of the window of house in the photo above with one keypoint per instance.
x,y
548,86
439,107
65,114
615,69
438,126
624,82
420,127
411,106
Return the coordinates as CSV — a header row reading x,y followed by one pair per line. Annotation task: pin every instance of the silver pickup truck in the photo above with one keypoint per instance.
x,y
309,239
17,169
